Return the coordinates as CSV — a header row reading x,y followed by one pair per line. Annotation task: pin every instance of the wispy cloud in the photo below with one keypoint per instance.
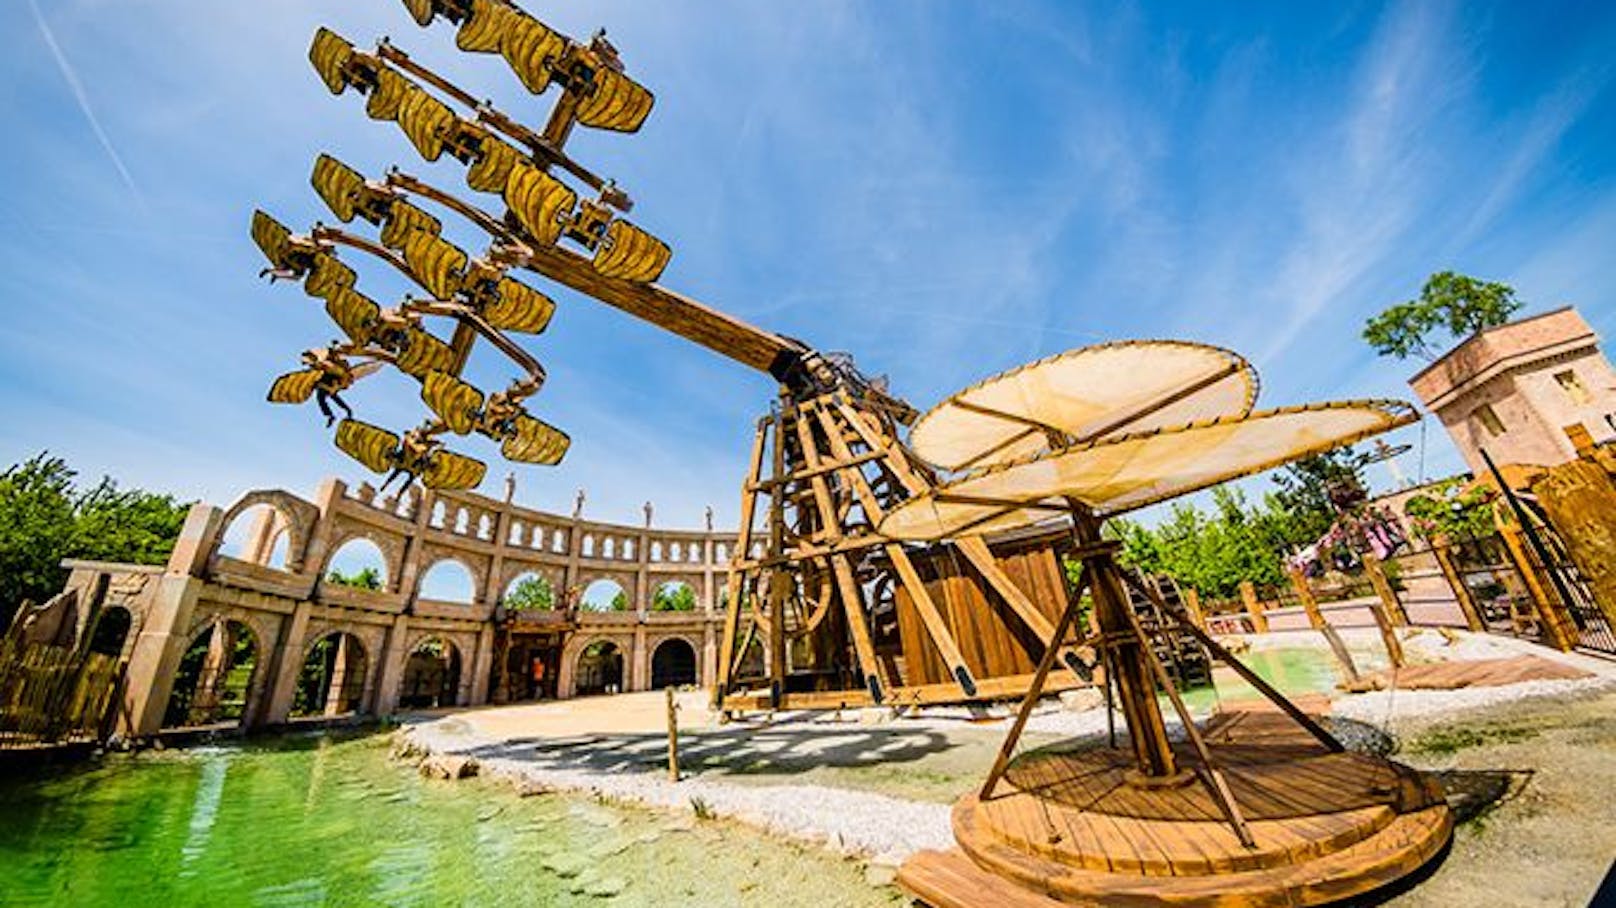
x,y
74,84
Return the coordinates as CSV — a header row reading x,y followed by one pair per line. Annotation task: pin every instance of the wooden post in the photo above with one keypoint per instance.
x,y
1315,617
1384,591
1192,604
1248,594
1461,591
1548,608
673,736
1388,633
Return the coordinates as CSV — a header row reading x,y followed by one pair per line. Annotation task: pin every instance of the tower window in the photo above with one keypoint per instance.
x,y
1573,387
1489,420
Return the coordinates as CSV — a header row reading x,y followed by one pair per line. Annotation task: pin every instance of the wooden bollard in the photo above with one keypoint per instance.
x,y
673,736
1192,604
1315,617
1461,592
1259,621
1384,592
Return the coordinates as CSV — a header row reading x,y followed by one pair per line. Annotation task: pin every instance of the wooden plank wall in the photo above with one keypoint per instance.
x,y
993,641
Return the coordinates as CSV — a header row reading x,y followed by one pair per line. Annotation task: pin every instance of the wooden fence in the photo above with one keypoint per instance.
x,y
55,694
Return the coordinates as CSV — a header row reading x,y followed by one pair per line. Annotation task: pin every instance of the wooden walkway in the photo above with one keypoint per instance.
x,y
1071,825
1480,673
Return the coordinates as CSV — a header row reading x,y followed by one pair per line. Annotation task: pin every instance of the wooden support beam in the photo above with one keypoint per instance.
x,y
1248,595
733,583
1548,607
1384,591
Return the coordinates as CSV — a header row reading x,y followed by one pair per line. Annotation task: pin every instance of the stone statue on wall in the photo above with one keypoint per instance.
x,y
578,505
648,510
709,518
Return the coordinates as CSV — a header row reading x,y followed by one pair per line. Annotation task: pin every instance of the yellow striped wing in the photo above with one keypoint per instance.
x,y
492,169
437,263
423,353
355,313
455,402
483,30
448,470
337,185
404,219
539,202
272,238
387,98
330,53
531,48
294,387
616,102
424,120
518,307
535,441
420,10
328,276
375,448
631,254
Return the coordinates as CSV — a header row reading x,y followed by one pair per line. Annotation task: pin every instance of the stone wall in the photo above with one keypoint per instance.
x,y
277,588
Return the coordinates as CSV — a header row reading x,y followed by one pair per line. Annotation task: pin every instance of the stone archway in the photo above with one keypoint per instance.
x,y
674,664
600,669
431,675
333,680
110,636
214,683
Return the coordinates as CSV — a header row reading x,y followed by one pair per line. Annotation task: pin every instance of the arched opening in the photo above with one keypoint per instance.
x,y
448,581
673,596
214,678
332,680
258,535
673,664
358,563
604,596
600,669
431,676
111,631
529,592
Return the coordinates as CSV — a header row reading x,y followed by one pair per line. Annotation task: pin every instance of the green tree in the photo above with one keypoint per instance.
x,y
620,602
531,593
673,597
1310,492
44,518
1446,509
363,579
1449,302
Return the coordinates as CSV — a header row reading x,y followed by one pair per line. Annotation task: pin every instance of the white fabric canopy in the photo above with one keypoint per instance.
x,y
1082,396
1121,473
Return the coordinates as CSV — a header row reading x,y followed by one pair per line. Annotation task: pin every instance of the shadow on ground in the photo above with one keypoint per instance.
x,y
742,749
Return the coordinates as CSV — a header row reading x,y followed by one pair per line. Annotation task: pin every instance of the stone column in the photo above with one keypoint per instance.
x,y
339,677
709,655
391,672
483,666
639,662
155,657
286,664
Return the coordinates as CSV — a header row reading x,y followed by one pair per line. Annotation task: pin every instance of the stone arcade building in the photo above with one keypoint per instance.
x,y
267,630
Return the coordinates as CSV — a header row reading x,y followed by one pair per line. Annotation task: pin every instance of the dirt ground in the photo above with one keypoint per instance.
x,y
1534,781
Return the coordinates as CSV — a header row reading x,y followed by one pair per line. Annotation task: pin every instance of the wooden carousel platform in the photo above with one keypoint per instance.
x,y
1076,827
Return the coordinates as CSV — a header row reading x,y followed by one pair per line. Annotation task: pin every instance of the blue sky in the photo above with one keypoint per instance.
x,y
943,189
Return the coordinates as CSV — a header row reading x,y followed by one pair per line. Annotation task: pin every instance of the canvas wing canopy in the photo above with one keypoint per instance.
x,y
294,387
518,307
275,241
448,470
386,100
437,263
535,441
1081,396
455,402
492,169
328,276
631,254
423,353
371,446
1118,474
485,26
531,48
330,54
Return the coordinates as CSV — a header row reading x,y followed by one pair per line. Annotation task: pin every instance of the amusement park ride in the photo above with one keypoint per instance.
x,y
886,566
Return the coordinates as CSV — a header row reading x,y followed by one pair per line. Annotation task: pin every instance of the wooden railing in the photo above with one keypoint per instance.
x,y
54,694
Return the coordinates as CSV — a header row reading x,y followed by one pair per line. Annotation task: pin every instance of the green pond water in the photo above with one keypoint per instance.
x,y
1292,670
327,821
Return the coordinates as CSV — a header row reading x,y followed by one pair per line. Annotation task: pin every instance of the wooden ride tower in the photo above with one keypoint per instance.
x,y
843,615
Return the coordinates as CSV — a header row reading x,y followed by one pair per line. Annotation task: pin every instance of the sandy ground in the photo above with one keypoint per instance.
x,y
1535,763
